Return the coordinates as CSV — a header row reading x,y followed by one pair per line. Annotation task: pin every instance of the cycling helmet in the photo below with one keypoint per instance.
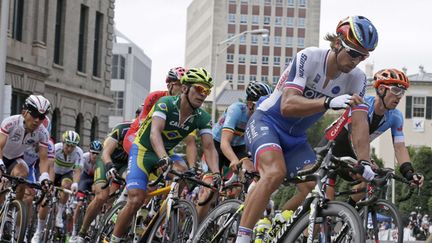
x,y
96,146
175,74
197,76
38,103
391,76
256,89
71,137
358,32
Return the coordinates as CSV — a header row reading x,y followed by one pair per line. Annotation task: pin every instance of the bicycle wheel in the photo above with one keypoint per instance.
x,y
16,222
387,221
50,224
337,221
221,224
108,223
182,225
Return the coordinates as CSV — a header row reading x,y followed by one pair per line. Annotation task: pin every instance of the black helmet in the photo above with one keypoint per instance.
x,y
256,89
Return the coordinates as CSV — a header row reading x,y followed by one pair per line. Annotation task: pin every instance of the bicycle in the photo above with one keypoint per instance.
x,y
316,214
377,207
166,218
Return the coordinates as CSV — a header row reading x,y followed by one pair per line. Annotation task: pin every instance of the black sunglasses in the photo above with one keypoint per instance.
x,y
36,114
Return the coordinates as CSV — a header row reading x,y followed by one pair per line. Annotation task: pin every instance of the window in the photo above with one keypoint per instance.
x,y
79,127
275,80
267,2
82,37
230,35
264,79
241,78
279,2
266,20
242,58
118,103
302,3
244,1
255,19
252,78
17,21
94,129
289,41
265,60
290,2
276,60
288,60
97,48
301,22
290,21
278,20
253,59
266,40
229,76
118,67
300,41
254,39
230,58
18,100
242,39
243,18
277,40
55,125
231,18
59,33
418,106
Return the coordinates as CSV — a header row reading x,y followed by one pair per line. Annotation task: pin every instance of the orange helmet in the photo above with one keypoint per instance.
x,y
391,76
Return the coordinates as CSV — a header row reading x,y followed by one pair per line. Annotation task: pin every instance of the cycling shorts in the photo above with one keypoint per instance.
x,y
240,152
86,182
100,172
261,136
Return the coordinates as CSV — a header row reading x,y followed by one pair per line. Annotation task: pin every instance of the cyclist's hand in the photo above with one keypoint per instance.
x,y
365,170
234,165
164,161
2,168
217,180
47,185
338,102
74,187
417,179
111,172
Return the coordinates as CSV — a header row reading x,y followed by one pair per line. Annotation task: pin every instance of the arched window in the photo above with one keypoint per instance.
x,y
55,125
94,131
79,127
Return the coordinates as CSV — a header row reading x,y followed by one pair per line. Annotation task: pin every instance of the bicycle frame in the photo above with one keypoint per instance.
x,y
10,196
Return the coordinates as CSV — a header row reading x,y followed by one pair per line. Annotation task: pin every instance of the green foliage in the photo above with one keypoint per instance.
x,y
282,195
316,132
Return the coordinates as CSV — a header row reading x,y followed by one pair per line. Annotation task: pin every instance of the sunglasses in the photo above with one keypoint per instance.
x,y
201,89
35,114
94,152
395,90
353,52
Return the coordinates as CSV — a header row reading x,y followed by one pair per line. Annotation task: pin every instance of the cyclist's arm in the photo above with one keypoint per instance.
x,y
156,140
401,153
360,134
44,164
191,150
226,138
109,146
77,174
293,104
3,139
210,152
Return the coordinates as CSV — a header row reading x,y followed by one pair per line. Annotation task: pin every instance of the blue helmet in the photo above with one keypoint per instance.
x,y
96,146
358,32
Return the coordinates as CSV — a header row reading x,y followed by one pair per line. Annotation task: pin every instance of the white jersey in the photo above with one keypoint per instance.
x,y
31,155
87,166
307,74
18,140
64,164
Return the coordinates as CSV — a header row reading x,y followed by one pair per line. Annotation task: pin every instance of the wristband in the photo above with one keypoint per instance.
x,y
327,102
44,176
406,169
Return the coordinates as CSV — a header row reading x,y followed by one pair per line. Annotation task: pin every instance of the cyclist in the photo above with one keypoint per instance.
x,y
171,119
67,169
23,132
86,178
390,86
114,160
315,81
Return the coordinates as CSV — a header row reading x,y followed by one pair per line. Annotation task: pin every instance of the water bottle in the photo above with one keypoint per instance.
x,y
279,220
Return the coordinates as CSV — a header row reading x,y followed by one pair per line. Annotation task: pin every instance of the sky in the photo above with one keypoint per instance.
x,y
404,30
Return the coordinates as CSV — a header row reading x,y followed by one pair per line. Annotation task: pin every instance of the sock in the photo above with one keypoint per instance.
x,y
74,229
40,225
244,235
115,239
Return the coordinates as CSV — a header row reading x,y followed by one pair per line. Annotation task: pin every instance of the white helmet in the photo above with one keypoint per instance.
x,y
38,103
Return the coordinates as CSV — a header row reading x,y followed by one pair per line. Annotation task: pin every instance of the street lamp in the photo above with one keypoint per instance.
x,y
222,46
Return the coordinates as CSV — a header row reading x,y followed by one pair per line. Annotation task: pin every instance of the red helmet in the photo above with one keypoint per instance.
x,y
391,76
175,74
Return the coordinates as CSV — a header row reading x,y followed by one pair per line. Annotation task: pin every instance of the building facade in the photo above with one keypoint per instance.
x,y
130,83
292,25
416,107
63,50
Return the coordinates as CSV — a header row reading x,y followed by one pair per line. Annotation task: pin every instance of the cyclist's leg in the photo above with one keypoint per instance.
x,y
20,169
85,184
66,183
264,144
136,183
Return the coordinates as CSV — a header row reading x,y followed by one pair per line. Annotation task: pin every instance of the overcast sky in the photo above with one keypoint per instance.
x,y
404,29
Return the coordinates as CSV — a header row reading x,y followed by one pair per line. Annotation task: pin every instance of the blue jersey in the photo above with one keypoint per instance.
x,y
307,74
234,119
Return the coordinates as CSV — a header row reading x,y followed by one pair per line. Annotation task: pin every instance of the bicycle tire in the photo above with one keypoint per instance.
x,y
381,206
50,225
208,228
342,211
175,234
108,223
17,211
31,228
